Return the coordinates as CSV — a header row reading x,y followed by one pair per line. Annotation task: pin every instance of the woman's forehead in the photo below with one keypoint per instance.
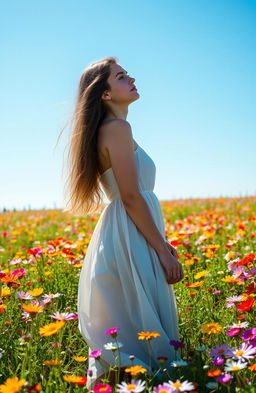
x,y
115,69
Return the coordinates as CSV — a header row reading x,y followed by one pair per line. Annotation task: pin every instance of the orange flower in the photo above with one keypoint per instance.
x,y
52,362
252,367
195,284
230,279
32,308
2,307
75,379
135,370
9,278
211,328
214,373
51,328
80,358
12,385
147,335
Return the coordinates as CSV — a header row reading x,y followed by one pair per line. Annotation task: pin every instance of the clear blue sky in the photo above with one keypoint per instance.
x,y
194,65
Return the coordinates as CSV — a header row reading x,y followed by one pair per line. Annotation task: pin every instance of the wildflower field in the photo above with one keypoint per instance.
x,y
41,349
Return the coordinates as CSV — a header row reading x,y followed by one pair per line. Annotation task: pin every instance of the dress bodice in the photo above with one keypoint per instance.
x,y
146,170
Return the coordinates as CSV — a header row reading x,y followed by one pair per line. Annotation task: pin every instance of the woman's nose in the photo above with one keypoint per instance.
x,y
132,80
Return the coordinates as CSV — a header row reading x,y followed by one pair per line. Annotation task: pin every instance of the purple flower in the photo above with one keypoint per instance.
x,y
176,344
219,351
249,334
224,378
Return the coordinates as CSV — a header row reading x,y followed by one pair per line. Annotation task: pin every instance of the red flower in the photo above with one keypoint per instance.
x,y
251,288
246,305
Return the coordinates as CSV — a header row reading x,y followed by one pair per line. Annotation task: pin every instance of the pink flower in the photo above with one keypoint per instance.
x,y
224,378
57,344
165,388
112,331
96,354
233,332
102,387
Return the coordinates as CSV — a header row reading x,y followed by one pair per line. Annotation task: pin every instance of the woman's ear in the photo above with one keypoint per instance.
x,y
106,96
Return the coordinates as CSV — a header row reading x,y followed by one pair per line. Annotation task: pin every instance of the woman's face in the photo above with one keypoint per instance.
x,y
121,85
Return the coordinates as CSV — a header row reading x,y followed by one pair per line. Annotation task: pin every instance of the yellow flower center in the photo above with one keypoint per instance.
x,y
163,391
131,386
177,384
235,368
103,389
239,352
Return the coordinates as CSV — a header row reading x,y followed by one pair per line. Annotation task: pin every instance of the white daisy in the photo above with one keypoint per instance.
x,y
239,325
133,386
179,386
235,366
234,299
113,346
245,351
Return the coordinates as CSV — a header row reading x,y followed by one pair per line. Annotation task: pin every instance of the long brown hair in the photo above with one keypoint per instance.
x,y
85,194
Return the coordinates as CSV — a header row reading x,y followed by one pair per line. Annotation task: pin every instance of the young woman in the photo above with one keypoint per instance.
x,y
129,266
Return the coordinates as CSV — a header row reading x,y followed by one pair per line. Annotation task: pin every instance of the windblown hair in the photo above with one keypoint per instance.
x,y
85,194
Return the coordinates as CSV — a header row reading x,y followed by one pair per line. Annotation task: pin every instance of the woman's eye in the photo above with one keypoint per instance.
x,y
120,77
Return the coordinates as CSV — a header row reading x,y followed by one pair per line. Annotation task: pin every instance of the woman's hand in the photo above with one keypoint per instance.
x,y
172,249
173,268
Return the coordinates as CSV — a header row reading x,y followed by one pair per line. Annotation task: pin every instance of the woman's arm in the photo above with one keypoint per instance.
x,y
118,139
137,208
119,143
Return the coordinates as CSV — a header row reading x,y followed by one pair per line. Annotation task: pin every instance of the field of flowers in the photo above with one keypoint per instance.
x,y
41,254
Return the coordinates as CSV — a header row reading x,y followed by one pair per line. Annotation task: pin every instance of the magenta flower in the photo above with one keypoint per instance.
x,y
112,331
218,361
224,378
249,334
19,272
102,387
233,332
176,344
96,354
